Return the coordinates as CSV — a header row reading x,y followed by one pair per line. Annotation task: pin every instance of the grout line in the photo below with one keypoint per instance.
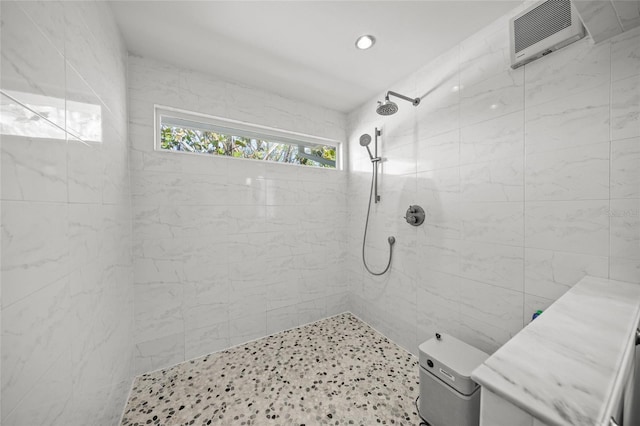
x,y
461,239
610,150
241,344
381,333
89,86
66,108
524,194
126,401
39,28
132,233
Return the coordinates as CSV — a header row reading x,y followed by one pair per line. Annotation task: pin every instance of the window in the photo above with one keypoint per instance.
x,y
189,132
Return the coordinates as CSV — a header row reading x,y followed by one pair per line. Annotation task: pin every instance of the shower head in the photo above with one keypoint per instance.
x,y
388,107
365,140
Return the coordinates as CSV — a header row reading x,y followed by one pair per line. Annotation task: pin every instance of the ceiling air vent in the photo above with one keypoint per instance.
x,y
542,28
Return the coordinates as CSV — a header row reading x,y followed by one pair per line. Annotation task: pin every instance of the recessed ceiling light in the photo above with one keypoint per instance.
x,y
365,42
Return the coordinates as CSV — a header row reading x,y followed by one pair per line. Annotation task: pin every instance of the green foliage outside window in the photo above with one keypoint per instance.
x,y
208,142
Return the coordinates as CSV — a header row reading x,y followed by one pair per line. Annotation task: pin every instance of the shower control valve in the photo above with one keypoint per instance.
x,y
415,215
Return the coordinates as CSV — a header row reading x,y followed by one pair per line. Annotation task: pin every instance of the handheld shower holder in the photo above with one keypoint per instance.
x,y
365,140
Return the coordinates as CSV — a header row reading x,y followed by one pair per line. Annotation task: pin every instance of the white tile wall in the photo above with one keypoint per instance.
x,y
529,179
228,250
67,310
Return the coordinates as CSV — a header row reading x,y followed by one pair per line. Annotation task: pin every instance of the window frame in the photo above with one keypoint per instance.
x,y
264,132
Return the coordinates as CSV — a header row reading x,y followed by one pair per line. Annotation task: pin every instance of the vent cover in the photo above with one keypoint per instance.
x,y
543,21
544,27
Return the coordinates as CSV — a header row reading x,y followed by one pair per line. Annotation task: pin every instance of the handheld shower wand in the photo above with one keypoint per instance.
x,y
365,140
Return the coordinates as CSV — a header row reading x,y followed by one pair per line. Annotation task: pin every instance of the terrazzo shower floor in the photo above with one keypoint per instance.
x,y
332,372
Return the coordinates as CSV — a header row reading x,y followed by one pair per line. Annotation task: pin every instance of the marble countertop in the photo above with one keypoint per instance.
x,y
568,366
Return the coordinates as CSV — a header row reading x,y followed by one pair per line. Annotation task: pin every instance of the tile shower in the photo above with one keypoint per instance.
x,y
530,179
226,251
67,270
118,260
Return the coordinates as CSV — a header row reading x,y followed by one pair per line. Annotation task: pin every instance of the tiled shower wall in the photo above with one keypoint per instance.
x,y
228,250
530,179
67,293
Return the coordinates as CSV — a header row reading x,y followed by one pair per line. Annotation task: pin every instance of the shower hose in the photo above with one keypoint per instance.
x,y
391,240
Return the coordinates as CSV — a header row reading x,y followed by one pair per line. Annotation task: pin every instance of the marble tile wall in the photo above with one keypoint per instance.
x,y
530,179
606,19
228,250
67,275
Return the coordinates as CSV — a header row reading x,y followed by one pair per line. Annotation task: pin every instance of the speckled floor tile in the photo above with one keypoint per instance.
x,y
332,372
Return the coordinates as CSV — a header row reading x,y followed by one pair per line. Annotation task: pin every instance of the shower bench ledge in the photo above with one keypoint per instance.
x,y
573,365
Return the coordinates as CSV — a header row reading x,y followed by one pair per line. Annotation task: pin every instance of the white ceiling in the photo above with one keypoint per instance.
x,y
303,49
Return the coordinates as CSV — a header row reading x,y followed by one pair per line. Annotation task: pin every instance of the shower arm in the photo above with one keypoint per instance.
x,y
414,101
